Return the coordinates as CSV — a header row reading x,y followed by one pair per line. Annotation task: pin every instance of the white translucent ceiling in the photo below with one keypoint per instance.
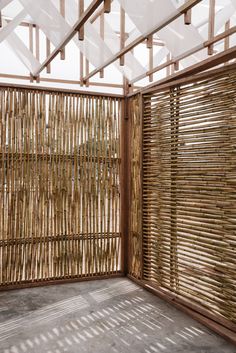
x,y
141,18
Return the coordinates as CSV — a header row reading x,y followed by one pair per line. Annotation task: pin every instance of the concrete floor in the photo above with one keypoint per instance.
x,y
103,316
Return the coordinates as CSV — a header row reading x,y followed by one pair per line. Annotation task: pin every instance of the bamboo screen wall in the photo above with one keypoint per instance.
x,y
135,236
183,194
59,186
189,192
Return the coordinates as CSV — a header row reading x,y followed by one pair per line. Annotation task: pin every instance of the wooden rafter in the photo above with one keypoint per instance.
x,y
176,60
180,11
86,15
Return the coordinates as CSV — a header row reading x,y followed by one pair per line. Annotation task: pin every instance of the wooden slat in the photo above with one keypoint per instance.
x,y
122,34
107,6
48,50
211,25
81,11
62,12
102,36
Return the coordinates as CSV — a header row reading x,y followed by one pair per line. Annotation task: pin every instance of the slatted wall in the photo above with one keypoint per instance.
x,y
59,186
189,192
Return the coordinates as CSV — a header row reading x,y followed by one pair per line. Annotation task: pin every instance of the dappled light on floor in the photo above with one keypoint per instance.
x,y
106,316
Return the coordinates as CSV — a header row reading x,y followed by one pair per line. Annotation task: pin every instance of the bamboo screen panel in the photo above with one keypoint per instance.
x,y
189,192
135,236
59,186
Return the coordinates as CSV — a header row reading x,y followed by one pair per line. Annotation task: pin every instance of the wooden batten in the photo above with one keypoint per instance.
x,y
188,16
150,42
176,65
31,38
211,25
37,49
102,36
122,34
226,39
81,60
86,72
62,11
107,6
81,11
48,50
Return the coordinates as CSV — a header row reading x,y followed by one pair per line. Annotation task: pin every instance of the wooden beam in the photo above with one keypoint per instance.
x,y
210,320
206,64
59,281
62,11
122,34
216,39
89,11
54,80
81,11
107,6
179,12
211,25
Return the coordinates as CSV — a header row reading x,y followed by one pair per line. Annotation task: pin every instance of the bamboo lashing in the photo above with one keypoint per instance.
x,y
59,186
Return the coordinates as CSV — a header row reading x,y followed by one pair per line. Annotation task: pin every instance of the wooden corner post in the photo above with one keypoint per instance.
x,y
125,184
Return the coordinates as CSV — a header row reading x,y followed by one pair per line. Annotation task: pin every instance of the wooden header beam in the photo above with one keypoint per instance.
x,y
176,60
179,12
204,65
86,15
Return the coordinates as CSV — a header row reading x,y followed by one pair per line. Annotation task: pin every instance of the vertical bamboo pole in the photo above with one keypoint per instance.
x,y
125,183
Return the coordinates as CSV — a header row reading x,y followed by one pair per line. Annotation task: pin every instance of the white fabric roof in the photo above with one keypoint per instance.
x,y
142,16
